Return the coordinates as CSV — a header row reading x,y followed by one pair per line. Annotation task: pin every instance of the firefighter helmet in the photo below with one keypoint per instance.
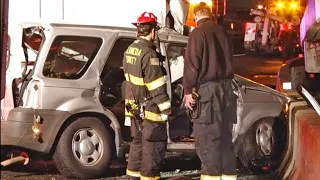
x,y
146,18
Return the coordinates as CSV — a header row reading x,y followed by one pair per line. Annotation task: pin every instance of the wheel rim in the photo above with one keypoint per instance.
x,y
87,146
265,138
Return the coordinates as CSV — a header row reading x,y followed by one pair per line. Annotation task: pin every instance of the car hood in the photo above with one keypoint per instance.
x,y
251,85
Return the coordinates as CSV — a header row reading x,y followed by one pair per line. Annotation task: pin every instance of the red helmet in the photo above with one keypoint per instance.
x,y
146,17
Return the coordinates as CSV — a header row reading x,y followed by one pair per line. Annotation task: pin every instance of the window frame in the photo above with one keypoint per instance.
x,y
179,44
182,45
76,38
112,47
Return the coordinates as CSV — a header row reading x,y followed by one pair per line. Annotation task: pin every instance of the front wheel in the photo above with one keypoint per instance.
x,y
84,149
260,143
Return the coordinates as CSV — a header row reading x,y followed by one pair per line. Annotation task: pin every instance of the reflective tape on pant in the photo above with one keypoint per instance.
x,y
228,177
165,105
138,81
133,173
151,116
149,178
207,177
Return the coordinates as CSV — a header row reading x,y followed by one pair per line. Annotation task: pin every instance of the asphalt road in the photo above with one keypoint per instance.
x,y
250,67
262,69
41,170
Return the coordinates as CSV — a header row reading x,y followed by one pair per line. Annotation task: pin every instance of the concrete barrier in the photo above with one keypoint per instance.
x,y
301,159
287,166
308,165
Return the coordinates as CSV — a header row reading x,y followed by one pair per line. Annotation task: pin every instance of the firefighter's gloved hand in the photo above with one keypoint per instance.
x,y
189,101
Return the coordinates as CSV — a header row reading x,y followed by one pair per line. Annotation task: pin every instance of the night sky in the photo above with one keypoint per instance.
x,y
245,3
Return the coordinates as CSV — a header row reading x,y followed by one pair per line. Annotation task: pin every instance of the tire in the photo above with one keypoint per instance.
x,y
67,156
3,155
251,151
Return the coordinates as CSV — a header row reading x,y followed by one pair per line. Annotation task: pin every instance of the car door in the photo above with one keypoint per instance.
x,y
175,53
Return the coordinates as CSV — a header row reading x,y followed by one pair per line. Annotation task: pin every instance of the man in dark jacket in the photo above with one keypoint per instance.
x,y
147,102
208,72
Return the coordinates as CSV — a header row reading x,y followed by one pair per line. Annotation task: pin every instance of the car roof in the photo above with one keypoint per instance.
x,y
165,34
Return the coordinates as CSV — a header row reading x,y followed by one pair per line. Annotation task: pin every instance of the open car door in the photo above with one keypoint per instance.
x,y
310,99
4,43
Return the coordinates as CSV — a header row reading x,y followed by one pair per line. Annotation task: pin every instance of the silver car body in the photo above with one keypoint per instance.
x,y
81,95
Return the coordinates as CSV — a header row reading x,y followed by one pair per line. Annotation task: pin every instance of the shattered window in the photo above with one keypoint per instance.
x,y
175,55
70,56
175,51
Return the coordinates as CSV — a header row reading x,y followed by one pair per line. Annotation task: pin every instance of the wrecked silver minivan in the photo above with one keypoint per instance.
x,y
71,106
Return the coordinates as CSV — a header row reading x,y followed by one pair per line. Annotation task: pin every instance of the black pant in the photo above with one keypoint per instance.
x,y
213,128
147,153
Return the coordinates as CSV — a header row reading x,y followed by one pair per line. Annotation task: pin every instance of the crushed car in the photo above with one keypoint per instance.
x,y
70,106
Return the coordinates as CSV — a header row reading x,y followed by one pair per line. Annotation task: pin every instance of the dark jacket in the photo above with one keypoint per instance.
x,y
145,79
209,55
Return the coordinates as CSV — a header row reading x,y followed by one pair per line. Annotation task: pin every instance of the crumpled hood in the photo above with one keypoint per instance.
x,y
251,85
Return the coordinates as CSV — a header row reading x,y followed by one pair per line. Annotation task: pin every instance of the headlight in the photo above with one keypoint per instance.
x,y
286,86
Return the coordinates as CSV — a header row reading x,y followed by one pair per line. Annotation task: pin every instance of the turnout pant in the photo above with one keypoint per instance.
x,y
213,130
147,150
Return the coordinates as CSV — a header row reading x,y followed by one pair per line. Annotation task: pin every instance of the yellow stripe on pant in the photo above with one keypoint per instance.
x,y
133,173
149,178
228,177
207,177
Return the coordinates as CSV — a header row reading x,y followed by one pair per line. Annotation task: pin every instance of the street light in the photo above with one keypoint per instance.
x,y
294,5
280,5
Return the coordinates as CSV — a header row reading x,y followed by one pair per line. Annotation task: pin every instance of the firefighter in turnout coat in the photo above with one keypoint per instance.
x,y
147,102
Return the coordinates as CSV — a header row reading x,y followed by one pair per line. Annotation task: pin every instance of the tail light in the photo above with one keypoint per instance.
x,y
32,96
247,27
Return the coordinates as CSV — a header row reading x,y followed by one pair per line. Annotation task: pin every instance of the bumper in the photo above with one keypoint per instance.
x,y
17,129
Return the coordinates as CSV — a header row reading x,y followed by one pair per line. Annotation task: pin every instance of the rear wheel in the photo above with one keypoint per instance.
x,y
84,149
259,143
4,154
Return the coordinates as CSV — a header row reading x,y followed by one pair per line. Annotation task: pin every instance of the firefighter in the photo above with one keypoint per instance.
x,y
147,102
207,82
